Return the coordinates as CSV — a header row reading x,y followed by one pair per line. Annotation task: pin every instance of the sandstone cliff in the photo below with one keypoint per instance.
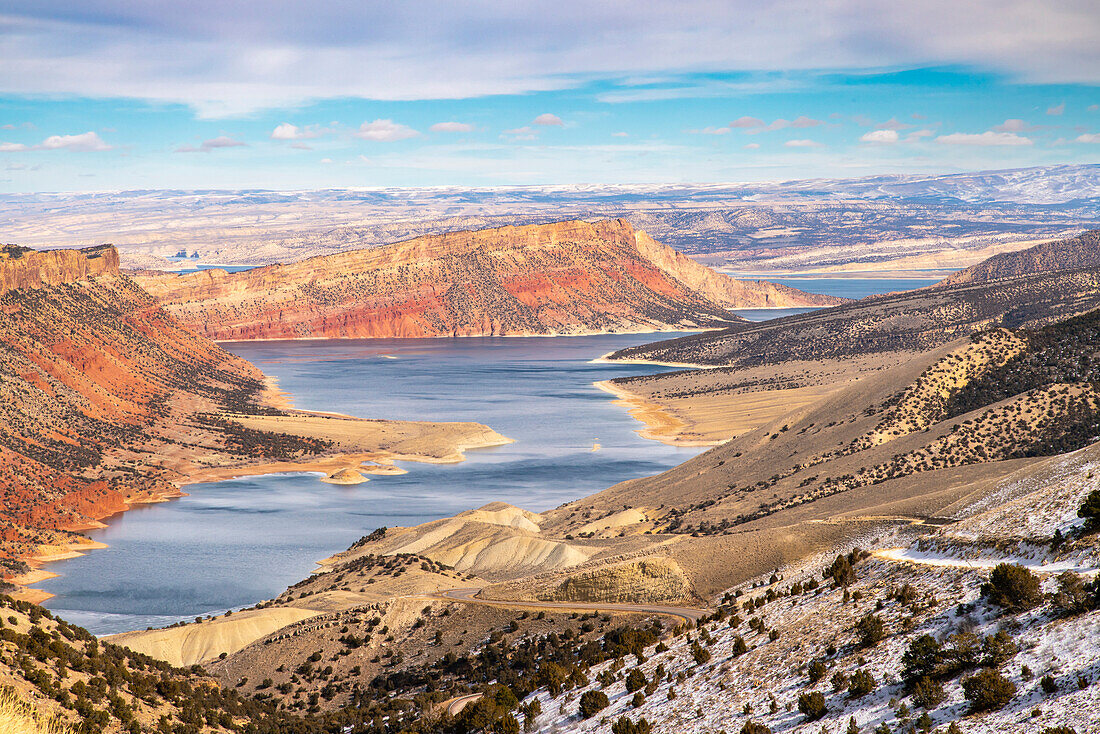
x,y
565,278
21,267
1072,254
97,385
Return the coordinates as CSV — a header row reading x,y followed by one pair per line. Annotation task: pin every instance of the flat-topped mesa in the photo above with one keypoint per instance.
x,y
21,267
570,277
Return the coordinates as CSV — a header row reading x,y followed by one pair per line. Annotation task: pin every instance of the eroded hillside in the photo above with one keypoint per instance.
x,y
106,400
563,278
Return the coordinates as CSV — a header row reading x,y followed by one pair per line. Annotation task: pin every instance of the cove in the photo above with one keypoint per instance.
x,y
232,543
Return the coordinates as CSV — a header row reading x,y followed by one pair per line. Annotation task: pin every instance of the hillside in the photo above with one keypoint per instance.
x,y
1048,257
106,401
563,278
905,323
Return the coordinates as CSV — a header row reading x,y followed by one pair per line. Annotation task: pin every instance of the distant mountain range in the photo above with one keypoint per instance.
x,y
564,278
874,222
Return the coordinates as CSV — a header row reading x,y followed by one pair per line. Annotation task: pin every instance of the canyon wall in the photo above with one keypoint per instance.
x,y
102,395
564,278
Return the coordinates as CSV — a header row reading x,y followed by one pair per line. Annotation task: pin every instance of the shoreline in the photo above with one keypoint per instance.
x,y
658,424
693,330
603,359
379,461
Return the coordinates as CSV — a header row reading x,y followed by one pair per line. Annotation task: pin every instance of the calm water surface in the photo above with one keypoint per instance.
x,y
232,543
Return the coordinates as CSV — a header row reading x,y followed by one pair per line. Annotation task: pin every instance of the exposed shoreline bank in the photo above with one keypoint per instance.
x,y
658,423
430,443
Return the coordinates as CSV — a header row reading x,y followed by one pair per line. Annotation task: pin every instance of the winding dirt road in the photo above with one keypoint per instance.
x,y
469,596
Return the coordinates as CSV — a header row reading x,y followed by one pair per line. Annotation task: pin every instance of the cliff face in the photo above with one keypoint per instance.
x,y
1072,254
564,278
25,268
97,383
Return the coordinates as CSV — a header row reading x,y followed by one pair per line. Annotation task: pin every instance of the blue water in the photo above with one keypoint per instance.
x,y
232,543
855,287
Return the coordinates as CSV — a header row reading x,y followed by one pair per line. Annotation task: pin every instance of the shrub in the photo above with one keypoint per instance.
x,y
988,690
860,684
812,705
638,700
1048,684
592,702
840,572
752,727
739,646
635,681
871,630
1074,596
1090,510
816,670
701,655
1058,730
998,649
928,693
1012,587
623,725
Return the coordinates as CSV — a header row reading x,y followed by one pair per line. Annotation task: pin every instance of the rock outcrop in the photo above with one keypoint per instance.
x,y
565,278
649,581
21,267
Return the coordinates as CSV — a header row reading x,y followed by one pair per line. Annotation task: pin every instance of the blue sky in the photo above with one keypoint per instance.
x,y
114,94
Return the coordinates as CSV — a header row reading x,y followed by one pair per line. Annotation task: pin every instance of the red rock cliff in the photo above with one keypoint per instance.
x,y
565,278
24,268
97,383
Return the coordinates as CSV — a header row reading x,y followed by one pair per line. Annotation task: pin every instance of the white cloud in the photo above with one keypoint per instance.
x,y
522,133
451,127
1088,138
326,160
286,131
893,124
222,141
710,131
226,58
1014,125
880,136
747,122
918,135
1094,107
548,120
803,144
754,125
752,146
1057,110
987,138
88,142
385,131
301,146
620,134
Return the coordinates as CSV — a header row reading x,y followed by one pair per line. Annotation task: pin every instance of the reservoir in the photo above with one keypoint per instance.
x,y
232,543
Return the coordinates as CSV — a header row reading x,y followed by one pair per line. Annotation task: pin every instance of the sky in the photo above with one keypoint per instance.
x,y
281,94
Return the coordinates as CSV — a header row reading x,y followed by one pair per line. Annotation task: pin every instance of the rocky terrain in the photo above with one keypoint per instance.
x,y
912,550
562,278
107,401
